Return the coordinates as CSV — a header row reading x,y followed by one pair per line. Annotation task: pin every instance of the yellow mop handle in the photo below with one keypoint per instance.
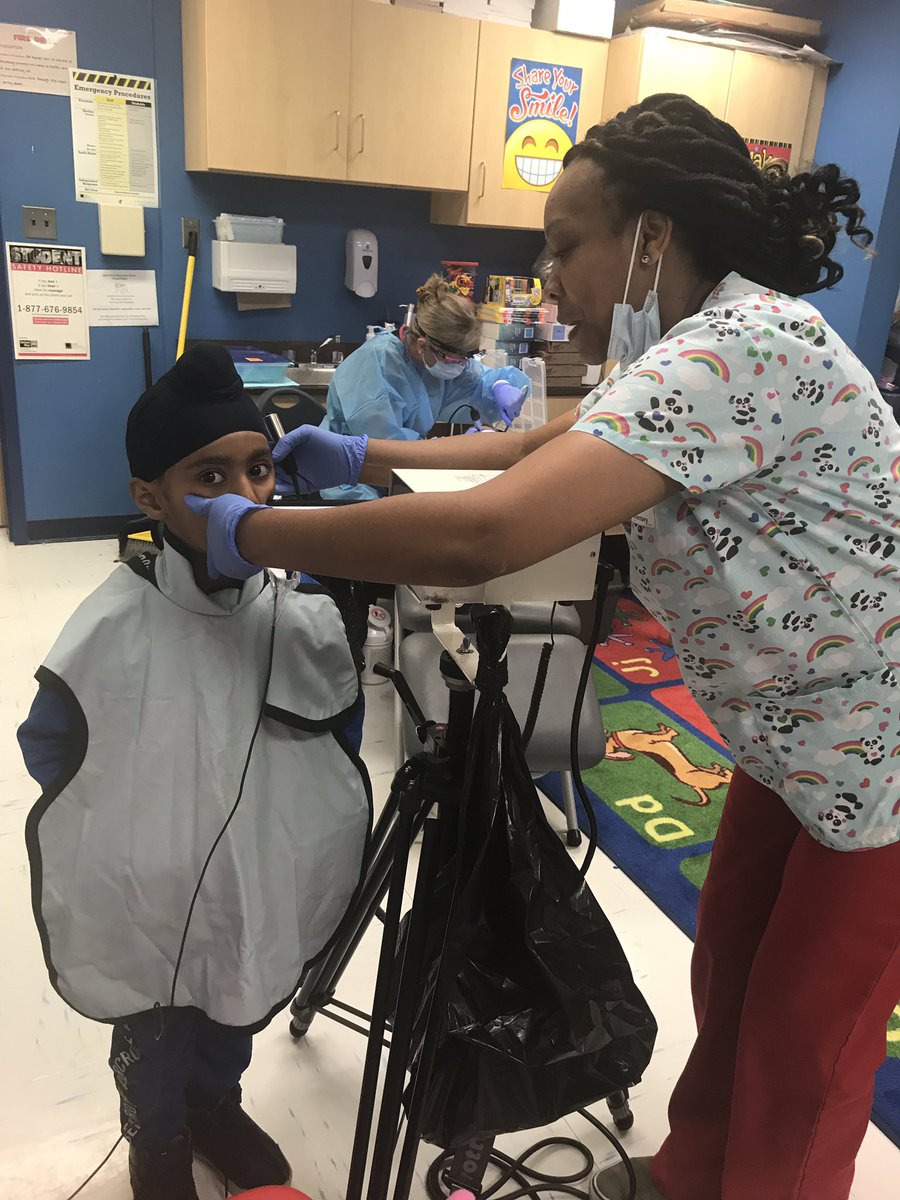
x,y
186,304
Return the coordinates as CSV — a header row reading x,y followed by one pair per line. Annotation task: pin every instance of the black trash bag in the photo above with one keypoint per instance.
x,y
538,1010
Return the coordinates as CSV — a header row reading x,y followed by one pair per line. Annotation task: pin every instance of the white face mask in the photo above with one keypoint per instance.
x,y
633,333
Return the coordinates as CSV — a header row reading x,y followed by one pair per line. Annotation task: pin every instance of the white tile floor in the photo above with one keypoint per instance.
x,y
57,1102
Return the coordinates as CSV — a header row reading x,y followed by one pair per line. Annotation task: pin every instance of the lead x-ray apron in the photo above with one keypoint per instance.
x,y
164,686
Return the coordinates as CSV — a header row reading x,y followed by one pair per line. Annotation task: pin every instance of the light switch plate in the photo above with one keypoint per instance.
x,y
39,223
189,225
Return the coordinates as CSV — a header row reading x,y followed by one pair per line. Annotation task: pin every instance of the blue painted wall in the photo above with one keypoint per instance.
x,y
71,416
861,131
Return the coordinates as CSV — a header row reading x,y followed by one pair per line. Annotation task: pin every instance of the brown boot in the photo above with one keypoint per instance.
x,y
612,1183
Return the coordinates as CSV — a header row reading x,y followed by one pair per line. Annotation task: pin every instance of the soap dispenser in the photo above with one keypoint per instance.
x,y
361,275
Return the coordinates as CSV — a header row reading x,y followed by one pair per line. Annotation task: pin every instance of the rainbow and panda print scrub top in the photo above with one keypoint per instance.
x,y
777,569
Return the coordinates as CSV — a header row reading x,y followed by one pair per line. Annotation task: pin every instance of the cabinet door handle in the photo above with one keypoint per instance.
x,y
362,132
483,180
337,129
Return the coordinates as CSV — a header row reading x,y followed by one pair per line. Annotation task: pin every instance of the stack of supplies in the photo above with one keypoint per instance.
x,y
510,317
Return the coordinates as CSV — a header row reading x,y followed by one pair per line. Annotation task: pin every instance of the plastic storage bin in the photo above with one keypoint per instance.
x,y
259,368
534,410
231,228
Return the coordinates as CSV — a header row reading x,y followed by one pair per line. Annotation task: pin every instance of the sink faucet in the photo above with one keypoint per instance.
x,y
314,354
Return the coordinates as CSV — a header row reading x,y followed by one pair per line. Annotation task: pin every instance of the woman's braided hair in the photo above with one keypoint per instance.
x,y
669,153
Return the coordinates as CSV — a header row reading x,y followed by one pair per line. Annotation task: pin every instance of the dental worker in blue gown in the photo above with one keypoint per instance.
x,y
398,387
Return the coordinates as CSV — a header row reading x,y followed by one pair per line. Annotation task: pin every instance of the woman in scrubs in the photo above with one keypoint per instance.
x,y
758,470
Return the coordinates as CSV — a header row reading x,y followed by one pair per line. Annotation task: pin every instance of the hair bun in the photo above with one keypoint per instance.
x,y
671,154
812,246
434,289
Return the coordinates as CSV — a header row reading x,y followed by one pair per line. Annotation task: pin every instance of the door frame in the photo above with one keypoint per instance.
x,y
9,420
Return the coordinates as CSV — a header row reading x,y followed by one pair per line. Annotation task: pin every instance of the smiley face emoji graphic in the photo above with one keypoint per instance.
x,y
533,155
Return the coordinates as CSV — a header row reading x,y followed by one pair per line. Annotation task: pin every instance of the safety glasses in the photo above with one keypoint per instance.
x,y
446,353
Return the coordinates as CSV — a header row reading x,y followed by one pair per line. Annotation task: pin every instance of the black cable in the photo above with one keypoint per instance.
x,y
531,1182
537,692
148,359
603,571
97,1169
234,807
540,680
473,413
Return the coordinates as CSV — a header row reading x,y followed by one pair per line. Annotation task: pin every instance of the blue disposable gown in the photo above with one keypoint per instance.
x,y
379,390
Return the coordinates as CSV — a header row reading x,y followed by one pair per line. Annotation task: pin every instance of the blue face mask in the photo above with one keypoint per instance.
x,y
633,333
446,370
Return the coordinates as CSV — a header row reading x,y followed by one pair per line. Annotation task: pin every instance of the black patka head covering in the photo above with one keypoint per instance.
x,y
198,401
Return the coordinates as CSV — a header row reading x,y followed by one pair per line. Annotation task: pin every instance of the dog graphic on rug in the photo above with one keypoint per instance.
x,y
658,744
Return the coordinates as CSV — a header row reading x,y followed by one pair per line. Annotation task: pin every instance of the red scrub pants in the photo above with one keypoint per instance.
x,y
795,974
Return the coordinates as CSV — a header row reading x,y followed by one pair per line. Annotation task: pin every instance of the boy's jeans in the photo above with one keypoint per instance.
x,y
167,1060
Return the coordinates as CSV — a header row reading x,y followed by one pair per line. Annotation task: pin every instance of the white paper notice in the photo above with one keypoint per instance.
x,y
114,138
122,298
48,299
36,60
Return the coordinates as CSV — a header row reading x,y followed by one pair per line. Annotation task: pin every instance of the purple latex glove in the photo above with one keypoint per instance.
x,y
224,514
478,427
318,458
509,399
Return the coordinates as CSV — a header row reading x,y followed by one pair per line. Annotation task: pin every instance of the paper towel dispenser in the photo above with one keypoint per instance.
x,y
254,267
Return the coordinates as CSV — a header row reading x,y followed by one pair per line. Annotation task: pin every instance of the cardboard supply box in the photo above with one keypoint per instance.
x,y
697,15
552,331
589,18
559,354
565,402
510,348
565,368
516,331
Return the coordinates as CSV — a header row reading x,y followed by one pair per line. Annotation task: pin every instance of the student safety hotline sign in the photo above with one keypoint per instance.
x,y
541,122
48,298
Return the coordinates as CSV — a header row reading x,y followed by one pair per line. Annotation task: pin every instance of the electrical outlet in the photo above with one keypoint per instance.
x,y
39,223
189,225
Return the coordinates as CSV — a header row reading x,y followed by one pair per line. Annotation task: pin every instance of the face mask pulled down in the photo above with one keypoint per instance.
x,y
633,333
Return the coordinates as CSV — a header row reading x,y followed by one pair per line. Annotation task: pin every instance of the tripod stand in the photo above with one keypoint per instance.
x,y
428,795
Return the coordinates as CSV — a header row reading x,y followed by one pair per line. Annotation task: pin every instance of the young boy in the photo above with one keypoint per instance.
x,y
203,817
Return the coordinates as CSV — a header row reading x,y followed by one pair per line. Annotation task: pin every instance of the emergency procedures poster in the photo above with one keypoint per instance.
x,y
541,123
48,299
114,138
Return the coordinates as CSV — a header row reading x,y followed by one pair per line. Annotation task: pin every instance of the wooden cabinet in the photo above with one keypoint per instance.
x,y
765,98
267,86
771,98
486,201
412,90
347,90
